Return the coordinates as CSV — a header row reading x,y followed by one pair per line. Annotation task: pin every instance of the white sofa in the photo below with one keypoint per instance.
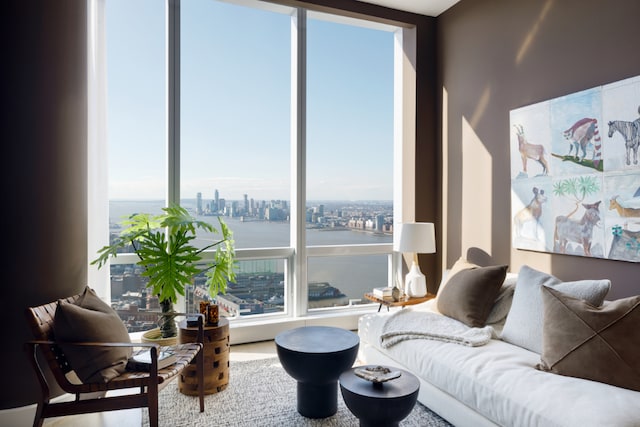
x,y
496,383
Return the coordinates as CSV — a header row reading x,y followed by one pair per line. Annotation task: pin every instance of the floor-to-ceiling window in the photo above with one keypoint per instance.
x,y
238,139
136,135
349,162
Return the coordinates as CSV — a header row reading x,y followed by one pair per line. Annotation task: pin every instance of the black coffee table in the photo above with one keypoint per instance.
x,y
379,404
315,356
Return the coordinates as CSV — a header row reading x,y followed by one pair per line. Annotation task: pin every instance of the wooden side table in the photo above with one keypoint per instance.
x,y
404,301
216,358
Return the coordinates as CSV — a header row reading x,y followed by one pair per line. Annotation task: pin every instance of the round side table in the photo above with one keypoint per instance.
x,y
315,356
216,358
379,404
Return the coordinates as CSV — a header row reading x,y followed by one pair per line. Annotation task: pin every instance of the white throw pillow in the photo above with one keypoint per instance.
x,y
523,326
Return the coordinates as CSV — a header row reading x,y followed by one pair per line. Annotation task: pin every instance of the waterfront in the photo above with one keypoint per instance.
x,y
352,275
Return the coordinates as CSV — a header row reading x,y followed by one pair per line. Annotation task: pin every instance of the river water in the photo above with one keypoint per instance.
x,y
353,275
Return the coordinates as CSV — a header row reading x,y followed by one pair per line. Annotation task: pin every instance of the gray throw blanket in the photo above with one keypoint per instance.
x,y
408,324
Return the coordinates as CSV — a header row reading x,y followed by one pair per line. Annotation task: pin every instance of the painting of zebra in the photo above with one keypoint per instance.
x,y
630,131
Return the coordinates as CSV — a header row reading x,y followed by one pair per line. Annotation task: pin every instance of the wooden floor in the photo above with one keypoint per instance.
x,y
133,417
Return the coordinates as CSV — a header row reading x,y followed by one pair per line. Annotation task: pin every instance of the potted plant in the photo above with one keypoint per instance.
x,y
170,261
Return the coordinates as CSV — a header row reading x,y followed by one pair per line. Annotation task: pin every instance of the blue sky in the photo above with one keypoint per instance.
x,y
235,104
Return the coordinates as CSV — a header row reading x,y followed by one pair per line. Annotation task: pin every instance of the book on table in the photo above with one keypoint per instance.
x,y
382,292
142,360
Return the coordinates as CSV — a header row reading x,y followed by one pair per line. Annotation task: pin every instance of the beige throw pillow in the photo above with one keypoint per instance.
x,y
91,319
595,343
471,293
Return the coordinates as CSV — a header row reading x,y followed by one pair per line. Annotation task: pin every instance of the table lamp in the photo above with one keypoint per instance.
x,y
417,237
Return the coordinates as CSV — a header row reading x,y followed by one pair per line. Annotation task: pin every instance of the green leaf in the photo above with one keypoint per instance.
x,y
170,261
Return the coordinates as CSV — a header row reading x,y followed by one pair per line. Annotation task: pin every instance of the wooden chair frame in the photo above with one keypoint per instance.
x,y
92,397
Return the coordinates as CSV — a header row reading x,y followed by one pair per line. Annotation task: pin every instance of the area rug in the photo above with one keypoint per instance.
x,y
260,394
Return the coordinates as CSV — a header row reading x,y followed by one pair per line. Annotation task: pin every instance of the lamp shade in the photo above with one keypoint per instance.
x,y
418,237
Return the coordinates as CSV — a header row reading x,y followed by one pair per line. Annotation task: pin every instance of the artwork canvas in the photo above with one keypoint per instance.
x,y
575,176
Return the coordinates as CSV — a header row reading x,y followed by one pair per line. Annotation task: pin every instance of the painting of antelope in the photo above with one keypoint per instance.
x,y
530,220
575,173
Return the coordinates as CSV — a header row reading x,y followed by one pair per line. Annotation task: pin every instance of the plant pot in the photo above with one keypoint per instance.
x,y
155,336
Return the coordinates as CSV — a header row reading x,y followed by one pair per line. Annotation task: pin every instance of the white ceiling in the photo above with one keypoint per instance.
x,y
422,7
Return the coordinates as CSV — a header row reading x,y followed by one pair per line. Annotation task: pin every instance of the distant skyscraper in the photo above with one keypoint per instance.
x,y
217,201
246,204
199,203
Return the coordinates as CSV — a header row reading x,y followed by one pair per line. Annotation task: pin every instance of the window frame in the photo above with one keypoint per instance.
x,y
296,256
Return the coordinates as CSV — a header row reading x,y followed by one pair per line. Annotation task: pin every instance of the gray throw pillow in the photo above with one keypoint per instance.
x,y
503,301
523,326
470,294
91,319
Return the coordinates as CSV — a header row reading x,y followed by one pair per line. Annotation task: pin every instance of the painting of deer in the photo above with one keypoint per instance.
x,y
528,151
579,231
623,210
531,212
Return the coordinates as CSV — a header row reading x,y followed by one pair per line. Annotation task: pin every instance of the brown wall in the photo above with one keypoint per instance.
x,y
497,55
44,171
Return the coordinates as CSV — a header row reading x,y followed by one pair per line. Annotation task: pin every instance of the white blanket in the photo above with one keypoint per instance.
x,y
408,324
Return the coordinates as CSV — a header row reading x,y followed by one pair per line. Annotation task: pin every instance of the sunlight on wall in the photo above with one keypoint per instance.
x,y
404,118
531,35
477,191
481,107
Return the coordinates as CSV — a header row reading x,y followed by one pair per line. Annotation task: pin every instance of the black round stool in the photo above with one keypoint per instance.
x,y
379,404
315,356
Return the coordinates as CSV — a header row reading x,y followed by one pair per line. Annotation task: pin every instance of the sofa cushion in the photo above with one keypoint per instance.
x,y
91,319
470,294
523,326
595,343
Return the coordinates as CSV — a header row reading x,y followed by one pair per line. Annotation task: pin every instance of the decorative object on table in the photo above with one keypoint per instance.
x,y
204,309
384,292
192,321
397,293
377,374
418,237
213,314
170,261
